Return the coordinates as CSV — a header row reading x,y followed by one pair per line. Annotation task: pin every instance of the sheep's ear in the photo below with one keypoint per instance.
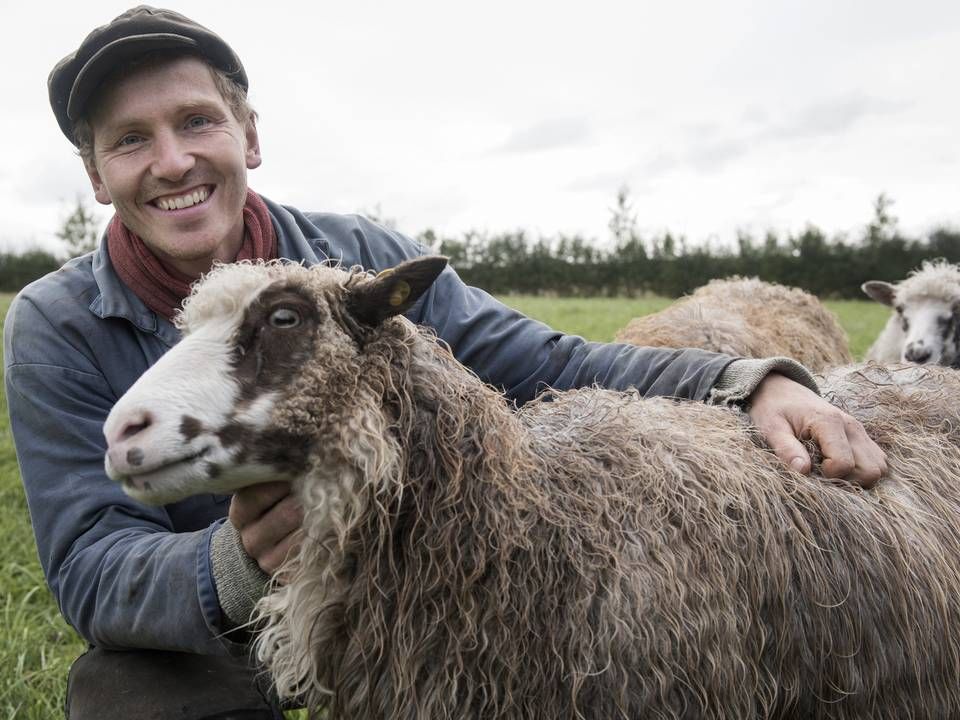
x,y
880,291
393,291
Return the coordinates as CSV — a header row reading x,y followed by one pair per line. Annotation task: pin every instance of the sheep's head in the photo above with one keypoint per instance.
x,y
927,307
219,411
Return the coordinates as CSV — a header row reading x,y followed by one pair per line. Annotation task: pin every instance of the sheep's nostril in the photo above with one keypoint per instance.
x,y
917,355
135,457
133,428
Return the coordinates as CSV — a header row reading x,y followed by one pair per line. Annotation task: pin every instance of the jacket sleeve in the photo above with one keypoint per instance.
x,y
523,356
121,577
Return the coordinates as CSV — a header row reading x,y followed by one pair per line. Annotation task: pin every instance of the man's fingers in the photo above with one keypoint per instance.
x,y
263,535
273,560
786,446
829,432
250,503
848,452
871,461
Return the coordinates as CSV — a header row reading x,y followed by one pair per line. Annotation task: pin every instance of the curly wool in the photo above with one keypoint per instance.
x,y
747,317
597,555
936,278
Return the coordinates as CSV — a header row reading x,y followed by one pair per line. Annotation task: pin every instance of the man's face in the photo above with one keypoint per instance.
x,y
173,160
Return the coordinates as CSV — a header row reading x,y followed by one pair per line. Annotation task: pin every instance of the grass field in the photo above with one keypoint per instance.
x,y
36,645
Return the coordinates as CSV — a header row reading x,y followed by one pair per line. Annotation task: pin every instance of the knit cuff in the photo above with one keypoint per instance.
x,y
240,581
741,377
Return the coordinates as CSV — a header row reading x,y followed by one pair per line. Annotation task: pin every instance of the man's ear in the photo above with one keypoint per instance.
x,y
393,291
253,145
100,191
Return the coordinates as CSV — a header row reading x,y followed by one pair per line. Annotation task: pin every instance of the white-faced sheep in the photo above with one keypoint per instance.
x,y
925,325
592,555
746,317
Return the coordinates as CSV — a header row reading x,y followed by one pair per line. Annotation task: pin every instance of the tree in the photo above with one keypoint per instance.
x,y
79,231
623,221
883,226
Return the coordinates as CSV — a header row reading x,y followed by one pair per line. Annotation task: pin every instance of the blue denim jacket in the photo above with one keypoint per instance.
x,y
126,575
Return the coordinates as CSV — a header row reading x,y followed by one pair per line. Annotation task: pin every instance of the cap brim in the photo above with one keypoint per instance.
x,y
112,56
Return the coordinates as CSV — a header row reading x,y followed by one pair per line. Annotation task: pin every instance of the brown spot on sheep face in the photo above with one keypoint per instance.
x,y
275,340
237,435
278,449
287,453
135,456
190,427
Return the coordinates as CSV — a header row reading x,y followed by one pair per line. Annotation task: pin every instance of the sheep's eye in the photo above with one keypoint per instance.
x,y
284,318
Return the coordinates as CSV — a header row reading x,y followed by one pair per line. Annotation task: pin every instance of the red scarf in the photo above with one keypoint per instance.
x,y
163,288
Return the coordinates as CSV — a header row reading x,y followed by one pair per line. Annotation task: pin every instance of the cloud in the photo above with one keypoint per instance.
x,y
831,117
711,150
53,176
547,135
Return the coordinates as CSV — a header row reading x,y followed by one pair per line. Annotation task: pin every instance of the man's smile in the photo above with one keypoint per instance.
x,y
193,197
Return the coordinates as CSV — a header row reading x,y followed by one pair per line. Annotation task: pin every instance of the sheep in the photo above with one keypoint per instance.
x,y
750,318
925,327
592,554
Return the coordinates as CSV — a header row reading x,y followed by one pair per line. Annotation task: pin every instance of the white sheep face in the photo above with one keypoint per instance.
x,y
930,332
926,328
186,426
226,407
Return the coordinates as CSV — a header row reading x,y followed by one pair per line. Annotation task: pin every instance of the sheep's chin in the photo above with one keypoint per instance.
x,y
185,478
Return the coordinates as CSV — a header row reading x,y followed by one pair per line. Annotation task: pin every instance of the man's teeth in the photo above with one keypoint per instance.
x,y
183,201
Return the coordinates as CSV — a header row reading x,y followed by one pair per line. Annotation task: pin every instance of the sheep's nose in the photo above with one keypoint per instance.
x,y
917,353
124,442
133,426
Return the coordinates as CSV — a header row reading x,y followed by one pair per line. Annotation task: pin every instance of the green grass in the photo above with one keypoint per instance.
x,y
36,645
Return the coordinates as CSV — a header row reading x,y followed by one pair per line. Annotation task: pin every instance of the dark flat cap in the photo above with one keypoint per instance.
x,y
137,31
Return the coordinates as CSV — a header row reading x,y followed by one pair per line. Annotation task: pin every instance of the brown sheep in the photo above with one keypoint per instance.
x,y
747,317
592,555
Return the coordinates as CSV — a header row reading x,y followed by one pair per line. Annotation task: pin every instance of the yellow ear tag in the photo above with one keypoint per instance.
x,y
401,292
385,273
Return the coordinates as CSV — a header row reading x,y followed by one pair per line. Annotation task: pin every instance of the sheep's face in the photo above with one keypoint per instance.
x,y
931,331
213,414
929,326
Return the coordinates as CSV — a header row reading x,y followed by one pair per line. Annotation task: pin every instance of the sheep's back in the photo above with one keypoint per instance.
x,y
742,589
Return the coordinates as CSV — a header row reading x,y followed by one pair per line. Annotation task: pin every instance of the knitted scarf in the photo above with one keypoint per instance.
x,y
163,288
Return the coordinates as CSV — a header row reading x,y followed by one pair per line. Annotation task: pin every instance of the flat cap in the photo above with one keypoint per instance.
x,y
137,31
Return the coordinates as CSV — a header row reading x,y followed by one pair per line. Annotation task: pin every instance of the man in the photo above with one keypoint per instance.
x,y
156,105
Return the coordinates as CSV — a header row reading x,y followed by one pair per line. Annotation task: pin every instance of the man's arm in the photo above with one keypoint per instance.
x,y
523,357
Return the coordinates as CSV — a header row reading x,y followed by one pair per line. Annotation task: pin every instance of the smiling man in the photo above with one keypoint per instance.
x,y
156,105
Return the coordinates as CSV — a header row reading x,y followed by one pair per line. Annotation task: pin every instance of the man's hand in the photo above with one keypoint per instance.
x,y
785,412
268,519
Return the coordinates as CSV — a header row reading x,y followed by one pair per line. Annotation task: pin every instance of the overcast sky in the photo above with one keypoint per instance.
x,y
748,114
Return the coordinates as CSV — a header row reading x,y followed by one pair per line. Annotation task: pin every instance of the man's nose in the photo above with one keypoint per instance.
x,y
172,157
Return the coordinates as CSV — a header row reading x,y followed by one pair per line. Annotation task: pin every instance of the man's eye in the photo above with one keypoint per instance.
x,y
198,121
128,140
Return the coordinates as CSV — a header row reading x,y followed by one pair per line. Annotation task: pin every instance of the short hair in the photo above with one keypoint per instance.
x,y
233,94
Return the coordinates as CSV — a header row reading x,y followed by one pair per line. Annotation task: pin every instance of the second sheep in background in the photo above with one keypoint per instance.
x,y
747,317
